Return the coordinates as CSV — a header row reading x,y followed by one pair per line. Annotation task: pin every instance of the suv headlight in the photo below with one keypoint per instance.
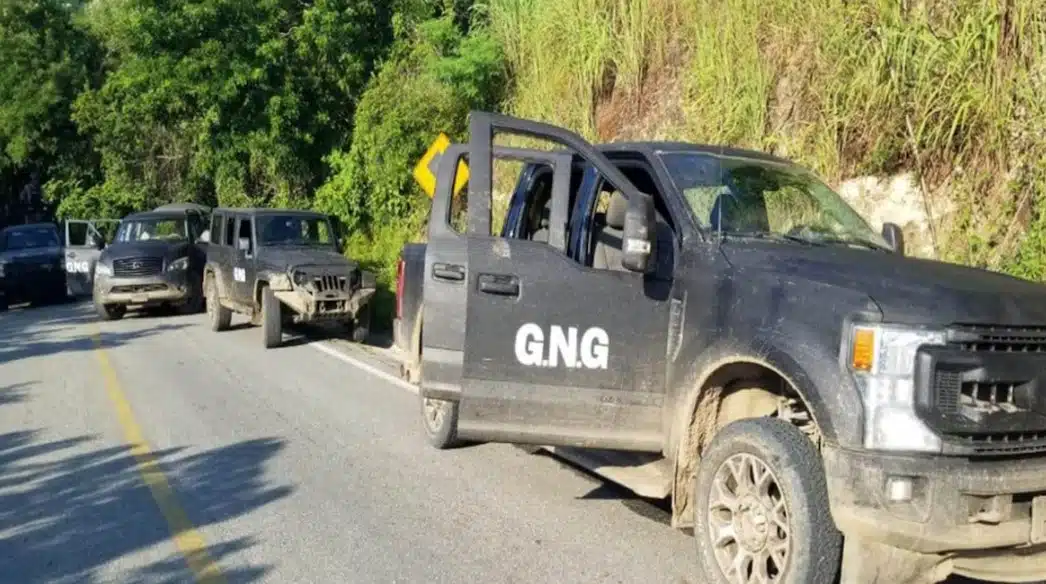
x,y
102,269
882,360
179,264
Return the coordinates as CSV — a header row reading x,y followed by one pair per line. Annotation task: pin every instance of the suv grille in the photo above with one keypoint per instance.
x,y
137,267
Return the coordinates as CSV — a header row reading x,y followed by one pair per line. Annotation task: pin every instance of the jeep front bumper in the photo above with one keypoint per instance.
x,y
329,306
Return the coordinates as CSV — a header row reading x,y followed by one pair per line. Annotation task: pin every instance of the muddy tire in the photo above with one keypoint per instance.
x,y
272,321
110,311
218,316
761,494
360,326
439,419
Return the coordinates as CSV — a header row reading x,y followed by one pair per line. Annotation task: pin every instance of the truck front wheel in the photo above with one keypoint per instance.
x,y
761,508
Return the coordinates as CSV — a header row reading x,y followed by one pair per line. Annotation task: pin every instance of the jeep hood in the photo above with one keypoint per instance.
x,y
305,257
907,290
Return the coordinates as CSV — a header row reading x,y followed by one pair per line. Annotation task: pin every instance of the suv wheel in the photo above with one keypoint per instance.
x,y
761,508
218,315
272,323
110,311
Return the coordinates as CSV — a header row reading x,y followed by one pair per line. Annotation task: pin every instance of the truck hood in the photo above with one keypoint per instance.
x,y
301,257
907,290
158,248
36,254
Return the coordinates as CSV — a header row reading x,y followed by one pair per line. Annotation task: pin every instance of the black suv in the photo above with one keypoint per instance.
x,y
31,265
156,259
282,266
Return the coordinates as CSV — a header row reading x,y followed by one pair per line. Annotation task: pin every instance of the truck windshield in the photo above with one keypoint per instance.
x,y
152,228
30,238
294,230
744,196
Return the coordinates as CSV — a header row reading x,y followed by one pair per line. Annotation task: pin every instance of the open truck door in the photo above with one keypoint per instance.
x,y
520,342
84,241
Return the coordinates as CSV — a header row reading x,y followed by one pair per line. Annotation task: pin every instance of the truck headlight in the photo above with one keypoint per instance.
x,y
102,269
882,360
180,264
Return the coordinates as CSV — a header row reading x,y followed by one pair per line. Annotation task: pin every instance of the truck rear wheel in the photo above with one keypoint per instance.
x,y
761,508
272,323
440,420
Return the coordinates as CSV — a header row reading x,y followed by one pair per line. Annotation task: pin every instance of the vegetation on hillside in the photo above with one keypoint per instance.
x,y
120,104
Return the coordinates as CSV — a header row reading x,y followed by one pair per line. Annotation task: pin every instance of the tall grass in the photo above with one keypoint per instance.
x,y
950,89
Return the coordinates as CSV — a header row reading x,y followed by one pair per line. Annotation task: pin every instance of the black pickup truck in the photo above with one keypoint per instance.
x,y
718,326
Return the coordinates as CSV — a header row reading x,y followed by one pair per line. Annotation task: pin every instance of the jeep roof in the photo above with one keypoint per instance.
x,y
268,211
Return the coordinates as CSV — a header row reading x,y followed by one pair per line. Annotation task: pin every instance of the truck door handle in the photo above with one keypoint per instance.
x,y
500,284
453,272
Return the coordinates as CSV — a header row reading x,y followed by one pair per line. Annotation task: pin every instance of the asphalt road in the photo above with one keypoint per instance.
x,y
287,465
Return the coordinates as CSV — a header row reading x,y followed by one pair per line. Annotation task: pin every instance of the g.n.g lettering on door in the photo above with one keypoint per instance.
x,y
562,347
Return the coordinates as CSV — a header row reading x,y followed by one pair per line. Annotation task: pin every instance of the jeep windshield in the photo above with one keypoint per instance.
x,y
152,228
297,230
30,238
747,197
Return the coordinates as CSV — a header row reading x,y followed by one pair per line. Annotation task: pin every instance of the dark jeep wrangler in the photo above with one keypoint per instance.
x,y
281,266
718,326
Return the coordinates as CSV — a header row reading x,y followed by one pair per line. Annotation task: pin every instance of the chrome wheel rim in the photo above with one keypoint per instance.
x,y
748,521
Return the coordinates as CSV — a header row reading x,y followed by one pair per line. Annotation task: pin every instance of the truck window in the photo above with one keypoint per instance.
x,y
217,223
606,221
230,231
537,205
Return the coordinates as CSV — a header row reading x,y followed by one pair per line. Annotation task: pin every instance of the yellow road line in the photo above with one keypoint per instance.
x,y
189,541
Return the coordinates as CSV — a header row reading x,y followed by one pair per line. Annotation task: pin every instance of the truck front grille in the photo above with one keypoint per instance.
x,y
137,267
999,339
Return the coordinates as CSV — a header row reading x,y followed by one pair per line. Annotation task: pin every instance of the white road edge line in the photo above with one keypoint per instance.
x,y
324,348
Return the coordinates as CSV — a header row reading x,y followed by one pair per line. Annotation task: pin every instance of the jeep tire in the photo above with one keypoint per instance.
x,y
271,318
760,491
360,325
218,316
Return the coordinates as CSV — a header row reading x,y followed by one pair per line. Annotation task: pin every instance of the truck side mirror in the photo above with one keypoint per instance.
x,y
894,236
639,241
243,244
205,237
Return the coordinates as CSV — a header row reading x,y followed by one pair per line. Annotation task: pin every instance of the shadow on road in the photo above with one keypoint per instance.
x,y
67,511
61,329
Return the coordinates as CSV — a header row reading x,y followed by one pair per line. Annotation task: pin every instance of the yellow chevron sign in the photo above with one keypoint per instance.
x,y
425,170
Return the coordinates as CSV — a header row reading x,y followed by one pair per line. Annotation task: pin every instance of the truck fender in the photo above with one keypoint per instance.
x,y
821,385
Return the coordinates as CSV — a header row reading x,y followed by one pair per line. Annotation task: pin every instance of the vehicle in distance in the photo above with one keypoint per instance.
x,y
155,259
283,266
718,326
31,267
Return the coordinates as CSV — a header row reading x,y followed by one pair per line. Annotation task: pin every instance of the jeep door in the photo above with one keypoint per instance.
x,y
244,272
556,352
84,241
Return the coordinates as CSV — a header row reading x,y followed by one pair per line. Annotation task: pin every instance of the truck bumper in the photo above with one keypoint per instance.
x,y
973,511
309,309
168,288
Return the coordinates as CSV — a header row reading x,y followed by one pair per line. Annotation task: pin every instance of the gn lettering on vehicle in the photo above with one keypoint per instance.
x,y
593,352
